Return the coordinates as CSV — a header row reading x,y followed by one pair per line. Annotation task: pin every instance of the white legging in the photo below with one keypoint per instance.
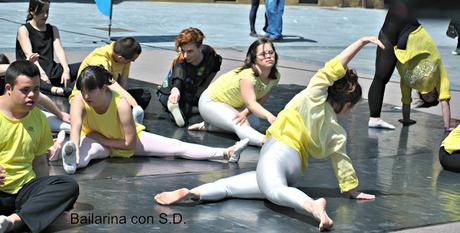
x,y
220,118
149,144
278,169
56,125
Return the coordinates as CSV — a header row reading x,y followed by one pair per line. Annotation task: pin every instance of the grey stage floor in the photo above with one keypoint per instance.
x,y
400,167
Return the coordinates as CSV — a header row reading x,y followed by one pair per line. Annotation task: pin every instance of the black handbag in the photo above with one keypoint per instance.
x,y
451,32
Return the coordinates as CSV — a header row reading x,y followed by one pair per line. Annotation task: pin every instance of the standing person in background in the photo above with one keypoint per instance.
x,y
36,36
274,12
453,31
410,49
191,72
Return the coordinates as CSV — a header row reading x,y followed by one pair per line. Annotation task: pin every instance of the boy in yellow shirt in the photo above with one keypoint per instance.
x,y
28,196
116,58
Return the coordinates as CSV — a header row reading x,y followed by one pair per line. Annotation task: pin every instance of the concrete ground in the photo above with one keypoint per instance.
x,y
413,193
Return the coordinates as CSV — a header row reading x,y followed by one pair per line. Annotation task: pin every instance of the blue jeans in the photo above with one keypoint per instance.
x,y
274,10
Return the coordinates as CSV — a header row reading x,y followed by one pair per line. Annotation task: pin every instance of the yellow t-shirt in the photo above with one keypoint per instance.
x,y
20,142
309,125
226,88
420,67
103,56
452,142
108,124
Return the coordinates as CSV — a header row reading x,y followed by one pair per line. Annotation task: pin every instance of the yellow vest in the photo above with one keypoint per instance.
x,y
20,142
108,124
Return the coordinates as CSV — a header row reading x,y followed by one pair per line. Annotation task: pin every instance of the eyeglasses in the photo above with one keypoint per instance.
x,y
264,54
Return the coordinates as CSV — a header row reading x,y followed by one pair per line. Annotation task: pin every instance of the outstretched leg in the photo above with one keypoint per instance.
x,y
239,186
278,169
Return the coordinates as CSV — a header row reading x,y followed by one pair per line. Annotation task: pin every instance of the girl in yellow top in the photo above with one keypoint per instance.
x,y
103,126
421,68
247,86
449,153
307,126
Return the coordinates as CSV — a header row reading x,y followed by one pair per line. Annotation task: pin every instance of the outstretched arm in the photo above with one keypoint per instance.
x,y
348,53
60,54
77,112
249,97
50,106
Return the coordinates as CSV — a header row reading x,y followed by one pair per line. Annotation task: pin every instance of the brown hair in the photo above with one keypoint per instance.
x,y
344,90
189,35
35,6
251,56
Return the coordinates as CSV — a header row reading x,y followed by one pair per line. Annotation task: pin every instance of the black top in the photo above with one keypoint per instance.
x,y
42,43
189,79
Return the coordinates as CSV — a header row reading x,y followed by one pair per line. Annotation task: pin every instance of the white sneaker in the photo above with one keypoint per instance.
x,y
380,124
138,114
4,223
456,51
69,157
239,147
177,115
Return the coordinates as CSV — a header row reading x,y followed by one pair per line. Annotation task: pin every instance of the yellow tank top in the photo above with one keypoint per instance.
x,y
108,124
226,88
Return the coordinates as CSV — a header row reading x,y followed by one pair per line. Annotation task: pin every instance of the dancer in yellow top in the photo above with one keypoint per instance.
x,y
227,102
307,126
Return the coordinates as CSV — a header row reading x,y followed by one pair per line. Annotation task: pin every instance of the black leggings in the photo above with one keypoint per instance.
x,y
253,14
450,162
141,96
41,201
398,22
55,77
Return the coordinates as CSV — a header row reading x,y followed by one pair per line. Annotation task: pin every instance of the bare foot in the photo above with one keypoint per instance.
x,y
198,126
168,198
318,209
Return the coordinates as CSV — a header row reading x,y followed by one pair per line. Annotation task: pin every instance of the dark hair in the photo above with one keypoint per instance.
x,y
251,56
344,90
189,35
17,68
35,6
4,59
93,77
127,47
422,103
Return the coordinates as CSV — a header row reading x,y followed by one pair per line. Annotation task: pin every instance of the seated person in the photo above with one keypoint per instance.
x,y
191,73
116,58
36,36
102,126
449,153
29,199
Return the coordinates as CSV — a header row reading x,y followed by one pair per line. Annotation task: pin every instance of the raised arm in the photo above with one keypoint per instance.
x,y
348,53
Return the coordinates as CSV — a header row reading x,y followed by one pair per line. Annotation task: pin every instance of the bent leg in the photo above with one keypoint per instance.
x,y
221,116
43,199
150,144
56,125
450,162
